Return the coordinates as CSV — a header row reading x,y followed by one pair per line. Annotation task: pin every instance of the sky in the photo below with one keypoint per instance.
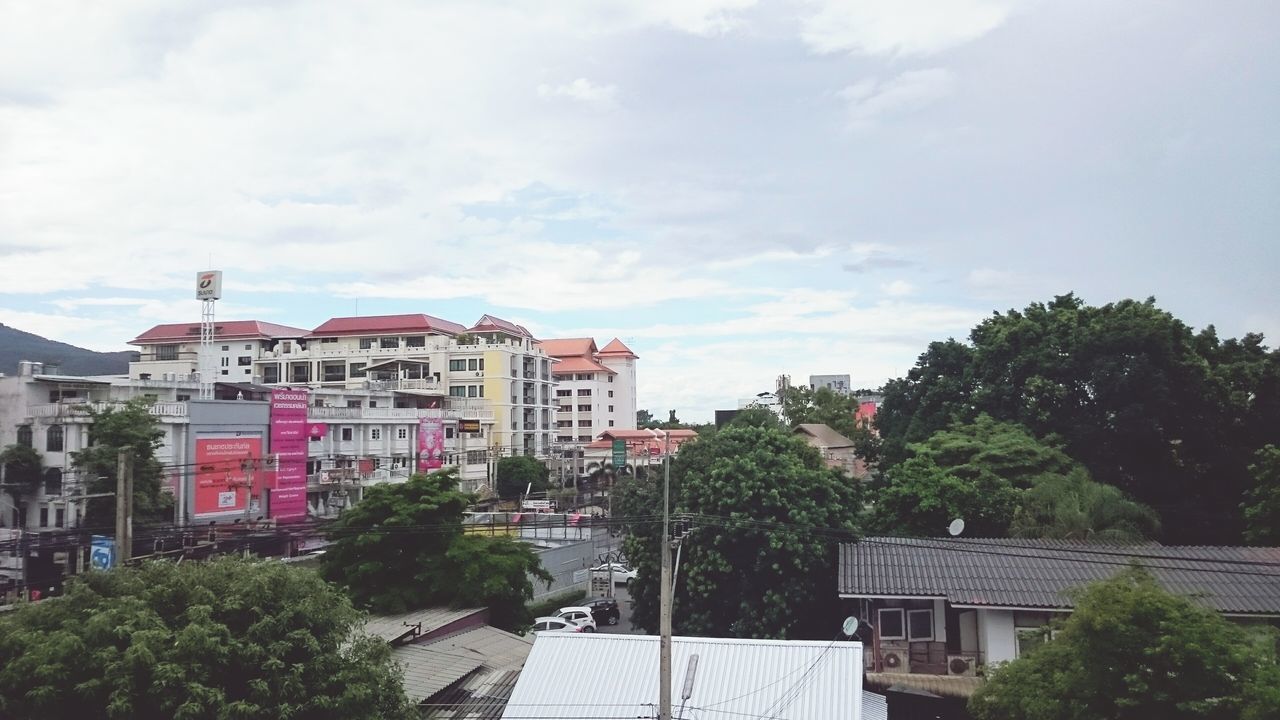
x,y
737,189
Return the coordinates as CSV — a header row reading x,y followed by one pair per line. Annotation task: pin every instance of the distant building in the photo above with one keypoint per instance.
x,y
724,417
835,448
835,383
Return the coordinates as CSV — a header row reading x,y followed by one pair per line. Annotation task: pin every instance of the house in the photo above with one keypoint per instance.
x,y
940,608
596,675
836,449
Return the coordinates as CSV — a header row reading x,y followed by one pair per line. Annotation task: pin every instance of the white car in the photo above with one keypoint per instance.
x,y
578,615
555,624
621,573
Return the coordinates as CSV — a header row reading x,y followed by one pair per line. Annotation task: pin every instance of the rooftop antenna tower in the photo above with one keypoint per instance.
x,y
208,292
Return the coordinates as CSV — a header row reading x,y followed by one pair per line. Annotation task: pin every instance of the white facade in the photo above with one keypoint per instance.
x,y
595,389
835,383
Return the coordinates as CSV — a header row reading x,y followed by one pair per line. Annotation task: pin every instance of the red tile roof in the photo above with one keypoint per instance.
x,y
616,348
569,347
489,323
579,365
379,324
653,442
225,330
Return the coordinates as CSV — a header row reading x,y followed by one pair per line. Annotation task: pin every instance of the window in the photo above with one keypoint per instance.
x,y
389,343
919,625
610,423
481,390
44,516
24,435
584,438
584,423
471,364
248,371
244,361
610,393
375,433
448,432
335,372
166,352
611,380
226,371
248,347
416,341
584,393
610,408
471,391
357,369
53,481
366,343
564,438
457,365
60,517
346,434
457,391
225,348
564,423
324,341
482,363
890,622
53,439
183,397
564,393
1030,638
402,433
286,346
353,403
301,372
270,374
584,408
226,362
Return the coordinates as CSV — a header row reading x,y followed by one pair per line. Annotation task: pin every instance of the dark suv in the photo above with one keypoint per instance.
x,y
604,610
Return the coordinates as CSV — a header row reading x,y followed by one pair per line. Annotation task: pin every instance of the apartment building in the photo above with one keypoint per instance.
x,y
423,361
595,388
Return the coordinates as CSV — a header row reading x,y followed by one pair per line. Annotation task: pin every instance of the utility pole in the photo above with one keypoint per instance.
x,y
664,601
124,505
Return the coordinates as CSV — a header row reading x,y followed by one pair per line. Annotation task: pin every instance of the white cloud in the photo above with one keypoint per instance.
x,y
582,90
869,100
897,288
900,27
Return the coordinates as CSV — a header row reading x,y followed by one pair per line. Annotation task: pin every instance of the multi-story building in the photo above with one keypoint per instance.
x,y
595,388
835,383
423,361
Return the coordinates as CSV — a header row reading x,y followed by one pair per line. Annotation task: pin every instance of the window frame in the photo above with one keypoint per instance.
x,y
907,628
902,622
55,431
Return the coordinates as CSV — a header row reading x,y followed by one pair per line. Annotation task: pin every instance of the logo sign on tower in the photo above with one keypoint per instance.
x,y
209,285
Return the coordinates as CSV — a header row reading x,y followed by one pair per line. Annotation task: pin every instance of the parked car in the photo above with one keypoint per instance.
x,y
555,624
604,611
578,615
621,573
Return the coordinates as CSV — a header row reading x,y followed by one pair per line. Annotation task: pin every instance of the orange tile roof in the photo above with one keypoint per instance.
x,y
375,324
616,347
489,323
579,365
568,347
225,330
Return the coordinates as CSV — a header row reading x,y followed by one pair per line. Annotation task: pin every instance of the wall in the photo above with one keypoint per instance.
x,y
996,638
561,563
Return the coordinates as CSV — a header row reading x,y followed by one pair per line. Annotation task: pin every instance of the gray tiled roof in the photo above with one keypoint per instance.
x,y
1043,573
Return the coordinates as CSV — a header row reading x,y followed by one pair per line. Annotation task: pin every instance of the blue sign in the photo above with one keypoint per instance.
x,y
102,553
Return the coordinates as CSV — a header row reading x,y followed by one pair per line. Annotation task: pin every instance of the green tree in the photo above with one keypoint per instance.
x,y
402,547
1131,651
1262,503
211,640
23,469
129,426
1007,450
519,472
740,576
1074,507
644,420
920,499
934,394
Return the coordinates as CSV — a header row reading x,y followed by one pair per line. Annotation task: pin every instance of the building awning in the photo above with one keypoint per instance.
x,y
395,361
70,380
422,393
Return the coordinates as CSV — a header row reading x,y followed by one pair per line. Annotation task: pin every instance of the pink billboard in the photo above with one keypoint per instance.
x,y
430,444
223,468
289,436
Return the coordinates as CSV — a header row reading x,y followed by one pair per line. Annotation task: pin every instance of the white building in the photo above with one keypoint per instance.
x,y
595,388
835,383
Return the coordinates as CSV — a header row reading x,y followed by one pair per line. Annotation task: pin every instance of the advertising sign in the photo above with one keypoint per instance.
x,y
536,505
318,430
469,426
289,437
102,553
220,473
430,444
209,285
619,453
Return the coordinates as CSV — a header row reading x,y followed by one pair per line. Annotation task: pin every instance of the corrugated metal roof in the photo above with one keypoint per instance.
x,y
481,696
392,627
956,686
433,666
1043,573
579,675
874,707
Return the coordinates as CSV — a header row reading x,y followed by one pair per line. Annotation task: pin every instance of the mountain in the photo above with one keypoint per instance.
x,y
16,345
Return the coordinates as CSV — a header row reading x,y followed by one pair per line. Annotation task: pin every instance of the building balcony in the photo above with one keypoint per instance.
x,y
85,410
422,384
451,411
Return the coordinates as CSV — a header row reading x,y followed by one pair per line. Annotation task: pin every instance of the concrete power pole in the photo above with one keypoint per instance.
x,y
124,506
664,594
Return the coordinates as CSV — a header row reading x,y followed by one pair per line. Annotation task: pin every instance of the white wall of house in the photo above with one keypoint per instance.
x,y
996,637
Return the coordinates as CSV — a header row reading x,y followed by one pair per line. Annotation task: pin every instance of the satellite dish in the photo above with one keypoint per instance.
x,y
956,527
850,626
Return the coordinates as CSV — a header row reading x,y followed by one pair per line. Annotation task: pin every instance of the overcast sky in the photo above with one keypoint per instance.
x,y
737,189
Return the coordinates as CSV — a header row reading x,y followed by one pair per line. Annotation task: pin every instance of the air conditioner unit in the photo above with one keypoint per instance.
x,y
961,665
895,661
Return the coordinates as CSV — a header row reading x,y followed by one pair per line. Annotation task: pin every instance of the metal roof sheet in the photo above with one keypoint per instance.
x,y
393,627
433,666
579,675
1029,573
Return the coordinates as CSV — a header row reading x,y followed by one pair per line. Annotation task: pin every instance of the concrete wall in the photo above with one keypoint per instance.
x,y
562,563
996,638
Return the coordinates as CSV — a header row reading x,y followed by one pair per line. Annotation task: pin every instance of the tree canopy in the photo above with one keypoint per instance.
x,y
129,426
23,468
402,548
920,499
740,576
1262,503
1169,416
1131,651
833,409
519,472
209,640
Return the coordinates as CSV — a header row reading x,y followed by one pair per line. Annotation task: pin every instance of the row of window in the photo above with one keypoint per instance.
x,y
466,391
53,437
569,438
386,343
585,376
581,393
460,365
347,433
901,624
